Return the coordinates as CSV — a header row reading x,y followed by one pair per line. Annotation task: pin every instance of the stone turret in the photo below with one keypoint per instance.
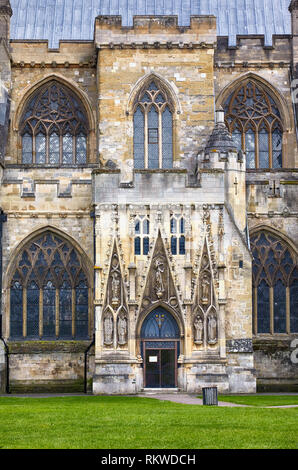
x,y
221,153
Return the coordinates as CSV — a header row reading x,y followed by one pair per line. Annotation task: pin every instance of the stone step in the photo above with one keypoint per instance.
x,y
154,391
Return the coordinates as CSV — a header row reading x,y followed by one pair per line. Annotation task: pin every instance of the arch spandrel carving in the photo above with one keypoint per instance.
x,y
159,287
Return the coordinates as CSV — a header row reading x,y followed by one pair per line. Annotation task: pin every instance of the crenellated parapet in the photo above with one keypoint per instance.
x,y
155,32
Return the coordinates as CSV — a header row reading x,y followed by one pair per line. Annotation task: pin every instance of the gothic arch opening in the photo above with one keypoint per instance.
x,y
153,109
160,349
54,126
275,284
49,291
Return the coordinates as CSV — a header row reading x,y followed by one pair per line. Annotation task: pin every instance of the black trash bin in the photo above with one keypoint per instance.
x,y
210,396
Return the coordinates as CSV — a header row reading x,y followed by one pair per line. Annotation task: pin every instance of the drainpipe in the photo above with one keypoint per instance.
x,y
85,363
92,215
3,218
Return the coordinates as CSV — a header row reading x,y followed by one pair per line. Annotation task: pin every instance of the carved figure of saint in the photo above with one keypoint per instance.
x,y
199,326
159,287
115,288
122,329
212,329
205,290
108,329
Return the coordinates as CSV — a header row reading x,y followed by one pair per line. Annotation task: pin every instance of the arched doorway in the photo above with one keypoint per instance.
x,y
160,347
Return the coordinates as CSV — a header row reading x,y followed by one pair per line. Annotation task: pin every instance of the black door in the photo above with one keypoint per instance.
x,y
160,368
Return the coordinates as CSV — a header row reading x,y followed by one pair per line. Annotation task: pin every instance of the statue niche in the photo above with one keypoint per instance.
x,y
108,328
212,328
122,328
159,285
198,325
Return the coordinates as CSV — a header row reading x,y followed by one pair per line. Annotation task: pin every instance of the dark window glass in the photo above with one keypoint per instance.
x,y
294,305
145,245
65,309
49,310
263,308
81,314
279,307
182,245
49,268
174,245
137,246
33,310
16,310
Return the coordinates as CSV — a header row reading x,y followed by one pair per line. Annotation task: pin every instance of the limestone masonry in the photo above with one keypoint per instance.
x,y
148,206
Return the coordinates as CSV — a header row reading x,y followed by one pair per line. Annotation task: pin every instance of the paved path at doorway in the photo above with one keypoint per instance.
x,y
184,398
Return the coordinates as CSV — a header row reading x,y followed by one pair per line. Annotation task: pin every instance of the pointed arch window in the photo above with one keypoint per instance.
x,y
54,128
153,128
49,292
177,228
254,121
275,285
142,231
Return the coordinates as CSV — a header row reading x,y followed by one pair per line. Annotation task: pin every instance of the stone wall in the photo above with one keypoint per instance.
x,y
49,366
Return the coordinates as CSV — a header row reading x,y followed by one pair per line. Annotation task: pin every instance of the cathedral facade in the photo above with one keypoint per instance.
x,y
148,200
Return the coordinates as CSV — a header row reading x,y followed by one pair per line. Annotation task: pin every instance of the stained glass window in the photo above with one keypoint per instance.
x,y
51,274
54,128
274,281
254,121
153,129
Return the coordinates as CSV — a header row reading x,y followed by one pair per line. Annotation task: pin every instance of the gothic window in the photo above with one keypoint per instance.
x,y
153,129
49,292
275,285
54,128
254,121
142,229
177,234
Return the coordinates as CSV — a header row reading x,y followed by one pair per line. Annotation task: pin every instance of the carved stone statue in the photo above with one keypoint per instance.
x,y
205,297
199,327
159,286
212,329
122,329
108,328
115,288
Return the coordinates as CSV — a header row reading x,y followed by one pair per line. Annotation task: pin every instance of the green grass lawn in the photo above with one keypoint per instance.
x,y
260,400
140,423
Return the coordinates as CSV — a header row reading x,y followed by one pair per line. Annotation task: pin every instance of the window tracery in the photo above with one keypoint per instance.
x,y
275,285
49,291
153,129
54,128
254,121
